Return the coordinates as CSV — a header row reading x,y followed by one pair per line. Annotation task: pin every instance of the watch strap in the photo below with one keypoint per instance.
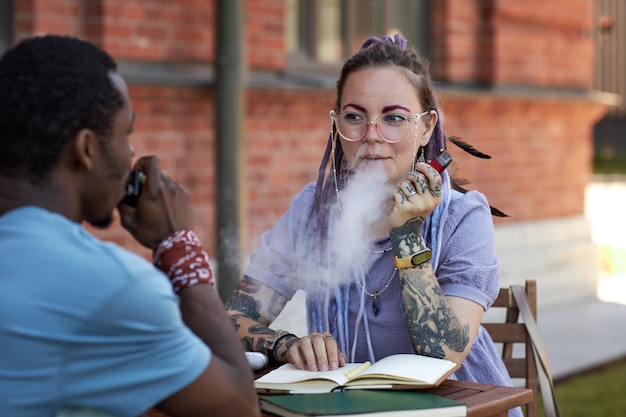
x,y
270,343
413,260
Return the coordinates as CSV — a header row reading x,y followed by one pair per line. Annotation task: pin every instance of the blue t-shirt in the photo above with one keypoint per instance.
x,y
85,324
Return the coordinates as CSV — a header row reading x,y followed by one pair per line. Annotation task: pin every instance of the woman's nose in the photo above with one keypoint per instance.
x,y
372,132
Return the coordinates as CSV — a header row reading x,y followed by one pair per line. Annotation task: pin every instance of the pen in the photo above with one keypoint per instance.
x,y
350,374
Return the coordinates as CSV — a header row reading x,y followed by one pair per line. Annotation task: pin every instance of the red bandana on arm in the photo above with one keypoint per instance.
x,y
183,260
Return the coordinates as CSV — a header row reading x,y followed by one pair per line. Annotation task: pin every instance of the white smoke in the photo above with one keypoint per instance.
x,y
362,212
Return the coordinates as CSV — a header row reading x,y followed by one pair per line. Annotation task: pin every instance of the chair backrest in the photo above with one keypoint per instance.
x,y
510,332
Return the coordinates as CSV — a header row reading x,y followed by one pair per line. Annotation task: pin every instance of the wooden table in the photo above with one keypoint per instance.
x,y
482,400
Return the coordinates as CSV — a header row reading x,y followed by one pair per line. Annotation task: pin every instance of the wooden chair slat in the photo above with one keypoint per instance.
x,y
506,332
510,332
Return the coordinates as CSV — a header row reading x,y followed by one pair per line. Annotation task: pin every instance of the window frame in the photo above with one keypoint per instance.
x,y
6,25
303,60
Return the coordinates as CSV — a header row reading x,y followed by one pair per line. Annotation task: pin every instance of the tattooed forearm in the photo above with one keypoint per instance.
x,y
252,307
254,335
234,320
407,239
250,339
257,329
256,300
280,353
245,304
432,325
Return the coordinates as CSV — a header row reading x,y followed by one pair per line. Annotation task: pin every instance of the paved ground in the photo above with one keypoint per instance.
x,y
592,332
583,336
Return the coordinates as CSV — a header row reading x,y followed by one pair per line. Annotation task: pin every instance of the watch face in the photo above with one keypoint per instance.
x,y
421,257
413,260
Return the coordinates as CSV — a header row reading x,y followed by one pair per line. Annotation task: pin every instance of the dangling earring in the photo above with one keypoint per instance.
x,y
419,157
340,176
344,173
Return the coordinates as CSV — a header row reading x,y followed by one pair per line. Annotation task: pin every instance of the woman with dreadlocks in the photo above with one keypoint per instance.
x,y
394,257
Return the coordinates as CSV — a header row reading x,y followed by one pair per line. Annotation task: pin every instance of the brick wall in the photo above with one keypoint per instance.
x,y
541,151
522,42
265,24
41,16
287,132
153,29
541,145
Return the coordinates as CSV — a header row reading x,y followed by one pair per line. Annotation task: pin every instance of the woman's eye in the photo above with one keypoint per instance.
x,y
354,118
394,119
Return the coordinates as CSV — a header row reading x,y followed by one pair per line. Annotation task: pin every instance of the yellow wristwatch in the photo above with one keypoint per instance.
x,y
413,260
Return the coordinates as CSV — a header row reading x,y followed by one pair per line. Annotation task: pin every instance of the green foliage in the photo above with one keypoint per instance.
x,y
609,166
599,393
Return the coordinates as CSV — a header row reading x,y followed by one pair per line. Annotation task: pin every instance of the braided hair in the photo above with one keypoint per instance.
x,y
329,313
387,51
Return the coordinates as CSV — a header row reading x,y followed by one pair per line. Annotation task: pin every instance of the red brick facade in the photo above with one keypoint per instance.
x,y
526,51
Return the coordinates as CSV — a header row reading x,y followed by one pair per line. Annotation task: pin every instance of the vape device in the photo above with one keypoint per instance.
x,y
136,179
441,161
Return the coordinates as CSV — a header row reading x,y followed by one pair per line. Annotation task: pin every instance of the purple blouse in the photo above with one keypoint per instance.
x,y
468,268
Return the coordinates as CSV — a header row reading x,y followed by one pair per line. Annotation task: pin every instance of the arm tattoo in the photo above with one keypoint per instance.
x,y
252,307
407,239
249,285
245,304
260,333
256,300
430,322
288,341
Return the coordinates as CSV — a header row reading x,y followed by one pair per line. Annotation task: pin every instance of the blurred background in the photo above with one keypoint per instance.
x,y
234,95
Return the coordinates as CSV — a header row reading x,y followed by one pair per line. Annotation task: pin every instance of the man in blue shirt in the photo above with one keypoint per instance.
x,y
85,324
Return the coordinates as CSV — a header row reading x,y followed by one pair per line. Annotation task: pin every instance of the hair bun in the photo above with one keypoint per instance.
x,y
397,40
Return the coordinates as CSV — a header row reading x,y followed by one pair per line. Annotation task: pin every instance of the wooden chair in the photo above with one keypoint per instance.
x,y
521,302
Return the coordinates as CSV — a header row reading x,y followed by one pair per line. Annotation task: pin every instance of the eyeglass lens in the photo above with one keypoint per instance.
x,y
391,128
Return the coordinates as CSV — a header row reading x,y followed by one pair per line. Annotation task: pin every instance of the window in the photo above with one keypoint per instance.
x,y
328,31
6,25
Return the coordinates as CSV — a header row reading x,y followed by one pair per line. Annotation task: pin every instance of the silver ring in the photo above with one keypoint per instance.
x,y
411,194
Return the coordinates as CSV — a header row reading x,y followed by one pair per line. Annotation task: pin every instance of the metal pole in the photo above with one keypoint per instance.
x,y
229,107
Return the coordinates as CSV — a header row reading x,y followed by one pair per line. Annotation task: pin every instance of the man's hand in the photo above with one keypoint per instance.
x,y
164,206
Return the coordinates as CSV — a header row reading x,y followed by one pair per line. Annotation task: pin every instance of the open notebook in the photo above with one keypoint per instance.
x,y
401,371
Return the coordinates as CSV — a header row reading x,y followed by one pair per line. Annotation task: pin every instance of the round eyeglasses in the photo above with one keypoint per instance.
x,y
391,128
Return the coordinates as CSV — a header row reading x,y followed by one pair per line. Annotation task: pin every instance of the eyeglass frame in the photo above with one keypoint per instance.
x,y
334,115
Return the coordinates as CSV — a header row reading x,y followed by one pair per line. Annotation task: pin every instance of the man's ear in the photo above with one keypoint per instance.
x,y
426,126
84,148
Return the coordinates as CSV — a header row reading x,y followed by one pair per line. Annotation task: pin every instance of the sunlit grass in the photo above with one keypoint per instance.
x,y
609,166
599,393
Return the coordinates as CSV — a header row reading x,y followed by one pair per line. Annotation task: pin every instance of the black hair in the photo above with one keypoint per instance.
x,y
51,87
